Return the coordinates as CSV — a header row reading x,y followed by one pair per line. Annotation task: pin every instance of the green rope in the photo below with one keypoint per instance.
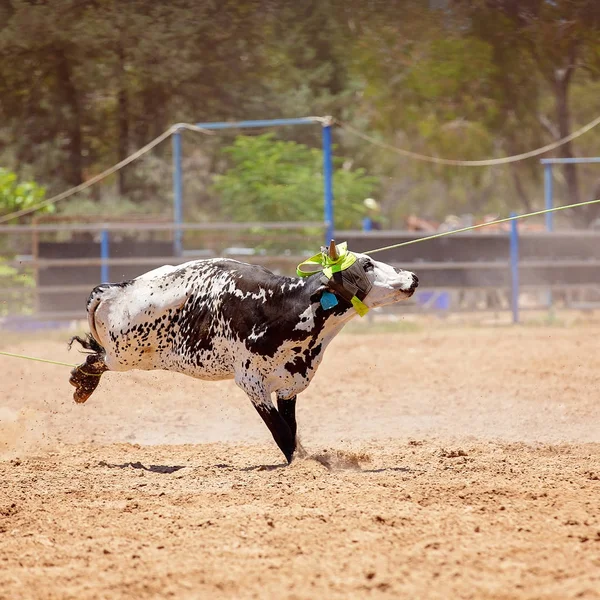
x,y
415,241
506,220
44,360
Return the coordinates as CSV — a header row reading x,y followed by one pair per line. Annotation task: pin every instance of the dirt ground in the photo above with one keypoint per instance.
x,y
443,462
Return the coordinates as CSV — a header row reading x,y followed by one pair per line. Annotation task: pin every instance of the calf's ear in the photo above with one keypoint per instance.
x,y
316,295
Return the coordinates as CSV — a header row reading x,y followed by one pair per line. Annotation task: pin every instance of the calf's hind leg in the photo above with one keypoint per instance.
x,y
86,377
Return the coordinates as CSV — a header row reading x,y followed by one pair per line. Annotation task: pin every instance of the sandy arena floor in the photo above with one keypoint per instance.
x,y
442,463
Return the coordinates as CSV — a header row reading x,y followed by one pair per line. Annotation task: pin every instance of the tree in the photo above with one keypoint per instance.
x,y
553,44
82,81
85,82
427,87
17,195
273,180
41,97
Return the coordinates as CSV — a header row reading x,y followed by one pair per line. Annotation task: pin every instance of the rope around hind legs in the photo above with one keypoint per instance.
x,y
51,362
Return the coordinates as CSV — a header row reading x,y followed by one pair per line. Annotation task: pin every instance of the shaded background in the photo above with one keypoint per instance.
x,y
83,84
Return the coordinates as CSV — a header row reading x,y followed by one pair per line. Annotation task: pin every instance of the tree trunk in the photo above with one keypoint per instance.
x,y
123,120
157,102
521,193
72,119
561,89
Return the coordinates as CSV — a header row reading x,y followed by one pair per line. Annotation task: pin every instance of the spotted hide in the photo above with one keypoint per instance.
x,y
221,319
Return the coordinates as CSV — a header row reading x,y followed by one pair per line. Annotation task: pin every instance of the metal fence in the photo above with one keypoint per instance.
x,y
48,270
496,271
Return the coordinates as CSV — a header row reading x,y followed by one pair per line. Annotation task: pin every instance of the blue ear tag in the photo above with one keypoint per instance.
x,y
328,300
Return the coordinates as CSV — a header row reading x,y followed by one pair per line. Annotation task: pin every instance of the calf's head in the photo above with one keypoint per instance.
x,y
358,279
388,284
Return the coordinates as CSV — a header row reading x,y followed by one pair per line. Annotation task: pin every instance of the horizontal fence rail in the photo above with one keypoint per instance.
x,y
98,227
456,272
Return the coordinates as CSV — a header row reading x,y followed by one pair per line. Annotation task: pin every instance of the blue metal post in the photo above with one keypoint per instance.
x,y
548,196
549,217
328,181
177,195
514,268
104,256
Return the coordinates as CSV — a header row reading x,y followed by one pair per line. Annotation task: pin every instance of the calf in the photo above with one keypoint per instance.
x,y
222,319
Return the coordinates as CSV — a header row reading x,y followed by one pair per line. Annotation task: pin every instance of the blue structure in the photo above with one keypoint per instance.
x,y
328,182
327,168
177,194
548,184
104,256
549,191
548,196
514,267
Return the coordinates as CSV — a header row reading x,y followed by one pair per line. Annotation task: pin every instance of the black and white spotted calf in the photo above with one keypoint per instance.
x,y
221,319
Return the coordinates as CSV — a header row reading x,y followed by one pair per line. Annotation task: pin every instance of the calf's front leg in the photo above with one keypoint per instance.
x,y
287,409
279,428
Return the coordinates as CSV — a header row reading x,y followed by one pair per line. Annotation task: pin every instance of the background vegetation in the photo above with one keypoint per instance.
x,y
85,82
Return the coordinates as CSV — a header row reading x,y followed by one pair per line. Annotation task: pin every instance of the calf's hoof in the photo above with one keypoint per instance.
x,y
86,378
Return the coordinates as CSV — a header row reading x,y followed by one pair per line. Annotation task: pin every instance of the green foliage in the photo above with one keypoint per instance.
x,y
16,195
20,297
274,180
10,276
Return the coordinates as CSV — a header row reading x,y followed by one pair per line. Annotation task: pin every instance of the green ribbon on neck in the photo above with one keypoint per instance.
x,y
323,263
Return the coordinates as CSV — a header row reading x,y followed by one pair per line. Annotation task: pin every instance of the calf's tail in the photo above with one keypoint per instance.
x,y
88,343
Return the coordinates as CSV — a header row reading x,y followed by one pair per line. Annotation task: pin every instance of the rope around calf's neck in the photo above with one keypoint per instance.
x,y
505,220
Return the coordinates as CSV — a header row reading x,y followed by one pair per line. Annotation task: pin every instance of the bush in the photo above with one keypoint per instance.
x,y
273,180
16,195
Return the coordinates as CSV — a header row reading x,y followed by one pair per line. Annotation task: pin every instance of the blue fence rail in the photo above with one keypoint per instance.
x,y
549,180
514,268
